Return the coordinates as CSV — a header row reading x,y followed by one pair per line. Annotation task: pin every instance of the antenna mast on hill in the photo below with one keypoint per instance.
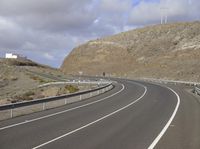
x,y
164,15
163,11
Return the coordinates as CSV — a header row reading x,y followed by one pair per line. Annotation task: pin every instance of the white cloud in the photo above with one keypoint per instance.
x,y
49,56
116,6
96,21
4,24
49,15
145,13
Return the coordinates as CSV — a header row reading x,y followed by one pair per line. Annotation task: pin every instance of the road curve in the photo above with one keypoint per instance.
x,y
133,115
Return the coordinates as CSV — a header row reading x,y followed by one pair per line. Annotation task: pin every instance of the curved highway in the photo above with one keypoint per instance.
x,y
134,115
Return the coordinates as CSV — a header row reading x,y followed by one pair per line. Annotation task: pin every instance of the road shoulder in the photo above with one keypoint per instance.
x,y
184,131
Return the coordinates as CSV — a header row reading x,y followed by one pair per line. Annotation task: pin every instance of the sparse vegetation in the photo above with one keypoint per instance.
x,y
39,79
71,88
26,96
29,93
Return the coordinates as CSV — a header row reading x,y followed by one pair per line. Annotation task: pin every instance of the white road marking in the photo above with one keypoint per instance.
x,y
89,124
157,139
50,115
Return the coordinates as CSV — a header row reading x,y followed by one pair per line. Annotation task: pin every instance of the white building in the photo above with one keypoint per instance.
x,y
10,55
14,56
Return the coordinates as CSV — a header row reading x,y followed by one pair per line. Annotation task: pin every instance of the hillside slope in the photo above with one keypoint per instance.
x,y
20,78
170,51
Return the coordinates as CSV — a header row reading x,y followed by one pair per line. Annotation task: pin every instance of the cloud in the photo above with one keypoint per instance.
x,y
49,56
47,30
9,34
49,15
115,6
145,13
47,25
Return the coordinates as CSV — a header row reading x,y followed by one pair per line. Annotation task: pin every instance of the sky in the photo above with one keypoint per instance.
x,y
46,31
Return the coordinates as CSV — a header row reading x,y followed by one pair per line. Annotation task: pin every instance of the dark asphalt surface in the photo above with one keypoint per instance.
x,y
135,126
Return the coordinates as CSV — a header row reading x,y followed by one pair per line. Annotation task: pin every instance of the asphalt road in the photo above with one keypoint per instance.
x,y
134,115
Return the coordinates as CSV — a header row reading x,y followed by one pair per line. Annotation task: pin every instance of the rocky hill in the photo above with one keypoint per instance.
x,y
170,51
20,78
19,62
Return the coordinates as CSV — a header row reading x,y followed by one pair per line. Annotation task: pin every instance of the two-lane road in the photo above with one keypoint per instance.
x,y
132,115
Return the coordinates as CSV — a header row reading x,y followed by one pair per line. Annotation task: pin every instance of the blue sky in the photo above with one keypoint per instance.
x,y
46,31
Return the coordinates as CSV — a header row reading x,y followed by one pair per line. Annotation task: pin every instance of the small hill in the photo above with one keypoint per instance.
x,y
20,78
18,62
170,51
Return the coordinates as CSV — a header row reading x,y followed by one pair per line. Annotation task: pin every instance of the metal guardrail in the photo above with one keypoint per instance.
x,y
171,81
196,90
44,101
75,82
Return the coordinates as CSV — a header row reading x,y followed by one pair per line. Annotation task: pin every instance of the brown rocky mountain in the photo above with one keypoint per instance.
x,y
170,51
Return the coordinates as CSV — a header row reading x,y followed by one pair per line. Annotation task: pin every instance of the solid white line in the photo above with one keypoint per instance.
x,y
50,115
89,124
157,139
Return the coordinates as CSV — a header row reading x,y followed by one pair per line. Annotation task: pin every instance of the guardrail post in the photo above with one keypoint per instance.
x,y
65,101
195,90
90,94
11,113
44,105
80,97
